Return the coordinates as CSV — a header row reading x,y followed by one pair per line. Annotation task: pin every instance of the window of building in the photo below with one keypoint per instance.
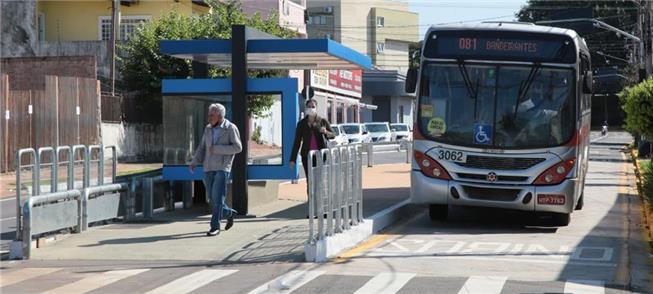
x,y
128,25
41,27
380,21
317,20
401,114
380,47
286,8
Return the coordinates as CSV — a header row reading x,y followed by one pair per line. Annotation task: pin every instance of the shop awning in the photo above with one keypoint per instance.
x,y
271,54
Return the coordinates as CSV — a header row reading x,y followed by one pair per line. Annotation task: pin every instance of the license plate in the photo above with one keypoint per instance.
x,y
548,199
451,155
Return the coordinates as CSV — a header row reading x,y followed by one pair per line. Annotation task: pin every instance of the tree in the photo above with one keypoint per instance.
x,y
637,103
143,66
621,14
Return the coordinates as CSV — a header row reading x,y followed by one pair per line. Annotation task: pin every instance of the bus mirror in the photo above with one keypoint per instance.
x,y
411,80
588,82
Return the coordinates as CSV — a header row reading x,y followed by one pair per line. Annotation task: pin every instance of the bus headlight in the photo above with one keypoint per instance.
x,y
555,174
430,167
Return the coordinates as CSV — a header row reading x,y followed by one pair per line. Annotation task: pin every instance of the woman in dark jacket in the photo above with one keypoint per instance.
x,y
313,133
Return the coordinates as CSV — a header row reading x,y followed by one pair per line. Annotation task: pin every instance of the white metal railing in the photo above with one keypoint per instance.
x,y
335,190
401,144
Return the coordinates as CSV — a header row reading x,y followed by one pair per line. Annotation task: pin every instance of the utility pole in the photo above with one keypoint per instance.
x,y
115,34
648,16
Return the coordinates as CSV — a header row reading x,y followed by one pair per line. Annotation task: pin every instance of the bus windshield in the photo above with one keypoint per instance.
x,y
496,106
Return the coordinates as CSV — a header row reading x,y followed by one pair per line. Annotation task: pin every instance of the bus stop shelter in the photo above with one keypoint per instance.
x,y
186,100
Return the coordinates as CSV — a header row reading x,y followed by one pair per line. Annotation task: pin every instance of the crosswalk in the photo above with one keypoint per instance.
x,y
210,280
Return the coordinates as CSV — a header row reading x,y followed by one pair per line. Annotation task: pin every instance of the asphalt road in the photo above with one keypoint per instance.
x,y
475,251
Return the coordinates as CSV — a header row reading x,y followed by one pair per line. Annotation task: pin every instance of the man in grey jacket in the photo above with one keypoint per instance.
x,y
220,143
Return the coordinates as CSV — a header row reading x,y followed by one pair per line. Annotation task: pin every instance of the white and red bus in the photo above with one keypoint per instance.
x,y
502,120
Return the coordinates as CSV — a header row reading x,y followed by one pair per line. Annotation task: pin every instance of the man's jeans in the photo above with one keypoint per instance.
x,y
215,183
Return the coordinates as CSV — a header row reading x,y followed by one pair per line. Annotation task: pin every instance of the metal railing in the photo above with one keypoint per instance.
x,y
402,144
335,190
37,162
34,166
101,203
50,212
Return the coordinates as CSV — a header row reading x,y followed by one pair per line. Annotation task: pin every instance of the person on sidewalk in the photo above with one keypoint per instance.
x,y
312,133
220,143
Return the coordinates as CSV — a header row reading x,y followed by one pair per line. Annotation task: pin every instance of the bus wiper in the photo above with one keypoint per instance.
x,y
468,82
523,89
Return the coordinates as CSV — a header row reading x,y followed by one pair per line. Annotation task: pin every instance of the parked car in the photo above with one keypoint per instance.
x,y
380,132
340,139
402,131
356,133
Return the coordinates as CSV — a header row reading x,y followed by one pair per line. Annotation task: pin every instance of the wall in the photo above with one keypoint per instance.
x,y
271,125
79,48
134,142
394,57
28,73
78,20
395,114
17,28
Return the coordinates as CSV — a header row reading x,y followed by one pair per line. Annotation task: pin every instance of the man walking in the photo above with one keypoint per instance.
x,y
220,143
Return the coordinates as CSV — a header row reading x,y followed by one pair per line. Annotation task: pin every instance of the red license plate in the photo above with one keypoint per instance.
x,y
550,199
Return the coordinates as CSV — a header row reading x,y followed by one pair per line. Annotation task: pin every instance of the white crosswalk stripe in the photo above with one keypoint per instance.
x,y
24,274
584,287
288,282
483,284
96,281
193,281
385,283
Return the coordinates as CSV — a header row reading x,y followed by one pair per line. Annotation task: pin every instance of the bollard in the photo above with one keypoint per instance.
x,y
187,194
370,154
148,197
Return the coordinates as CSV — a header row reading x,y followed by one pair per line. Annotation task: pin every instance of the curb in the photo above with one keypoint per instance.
x,y
332,246
646,211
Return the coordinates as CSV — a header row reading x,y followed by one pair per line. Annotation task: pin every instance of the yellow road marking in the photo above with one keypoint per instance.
x,y
374,241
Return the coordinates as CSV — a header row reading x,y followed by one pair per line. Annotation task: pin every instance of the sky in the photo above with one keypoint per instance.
x,y
452,11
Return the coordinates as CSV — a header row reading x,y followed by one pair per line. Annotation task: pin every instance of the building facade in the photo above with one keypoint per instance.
x,y
382,29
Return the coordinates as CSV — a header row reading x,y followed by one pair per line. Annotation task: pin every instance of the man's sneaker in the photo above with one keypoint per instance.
x,y
213,232
230,223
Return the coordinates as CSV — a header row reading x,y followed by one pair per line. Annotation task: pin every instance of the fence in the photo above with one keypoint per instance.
x,y
111,108
47,203
370,148
67,112
335,190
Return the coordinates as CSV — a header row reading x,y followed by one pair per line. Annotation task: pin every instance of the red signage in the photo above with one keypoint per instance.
x,y
347,80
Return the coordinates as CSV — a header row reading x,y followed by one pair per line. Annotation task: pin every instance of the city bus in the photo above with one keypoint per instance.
x,y
502,120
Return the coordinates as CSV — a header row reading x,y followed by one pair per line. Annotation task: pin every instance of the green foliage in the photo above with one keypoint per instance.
x,y
647,179
256,135
619,13
143,66
637,103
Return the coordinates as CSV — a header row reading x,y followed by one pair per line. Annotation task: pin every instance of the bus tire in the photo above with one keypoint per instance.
x,y
550,219
438,212
580,203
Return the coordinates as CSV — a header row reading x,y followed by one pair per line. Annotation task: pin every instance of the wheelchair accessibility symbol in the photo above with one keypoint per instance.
x,y
482,134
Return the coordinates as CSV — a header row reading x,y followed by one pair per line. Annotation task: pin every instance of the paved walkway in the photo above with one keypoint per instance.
x,y
276,235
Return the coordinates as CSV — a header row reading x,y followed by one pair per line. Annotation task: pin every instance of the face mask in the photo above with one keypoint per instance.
x,y
310,111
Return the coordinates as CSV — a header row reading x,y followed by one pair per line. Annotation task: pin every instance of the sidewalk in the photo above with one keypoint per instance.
x,y
276,235
8,180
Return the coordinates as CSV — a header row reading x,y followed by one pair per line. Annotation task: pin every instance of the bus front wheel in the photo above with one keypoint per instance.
x,y
438,212
554,219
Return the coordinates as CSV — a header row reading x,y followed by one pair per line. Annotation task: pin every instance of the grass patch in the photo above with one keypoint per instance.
x,y
647,179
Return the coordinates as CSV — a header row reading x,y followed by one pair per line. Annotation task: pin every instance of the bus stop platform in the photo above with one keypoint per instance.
x,y
277,234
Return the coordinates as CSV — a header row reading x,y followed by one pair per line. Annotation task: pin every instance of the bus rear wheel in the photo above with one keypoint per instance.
x,y
438,212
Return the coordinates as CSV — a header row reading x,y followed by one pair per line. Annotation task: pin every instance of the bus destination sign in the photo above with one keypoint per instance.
x,y
500,48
